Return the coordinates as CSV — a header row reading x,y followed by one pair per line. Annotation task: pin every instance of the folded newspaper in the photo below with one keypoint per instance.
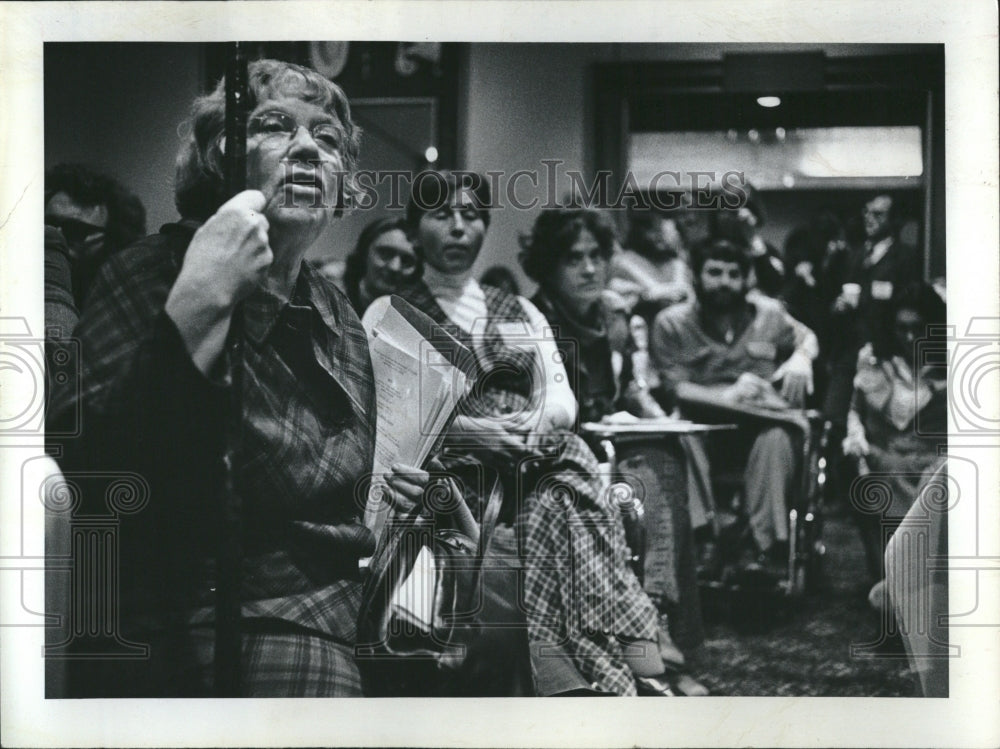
x,y
421,374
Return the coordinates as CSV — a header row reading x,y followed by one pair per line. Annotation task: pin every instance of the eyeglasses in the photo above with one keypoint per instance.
x,y
328,135
74,230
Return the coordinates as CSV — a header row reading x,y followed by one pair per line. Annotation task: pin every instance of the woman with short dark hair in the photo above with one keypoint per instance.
x,y
567,253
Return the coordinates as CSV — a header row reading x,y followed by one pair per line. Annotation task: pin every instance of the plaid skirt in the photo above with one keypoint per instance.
x,y
282,660
579,595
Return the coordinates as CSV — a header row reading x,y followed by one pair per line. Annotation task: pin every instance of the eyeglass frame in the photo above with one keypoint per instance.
x,y
334,127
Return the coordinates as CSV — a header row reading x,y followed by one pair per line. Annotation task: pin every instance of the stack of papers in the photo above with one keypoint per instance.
x,y
421,374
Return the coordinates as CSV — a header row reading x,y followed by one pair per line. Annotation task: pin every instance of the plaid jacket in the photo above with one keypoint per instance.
x,y
308,405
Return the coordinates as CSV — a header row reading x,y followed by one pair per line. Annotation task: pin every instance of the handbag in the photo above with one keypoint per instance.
x,y
420,604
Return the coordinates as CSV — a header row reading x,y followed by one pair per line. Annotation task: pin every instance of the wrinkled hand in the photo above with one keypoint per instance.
x,y
410,490
796,376
226,259
228,256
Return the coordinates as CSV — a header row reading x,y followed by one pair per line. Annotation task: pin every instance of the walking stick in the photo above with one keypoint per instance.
x,y
228,632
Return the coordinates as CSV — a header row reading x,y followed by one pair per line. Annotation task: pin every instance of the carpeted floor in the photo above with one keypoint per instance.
x,y
805,650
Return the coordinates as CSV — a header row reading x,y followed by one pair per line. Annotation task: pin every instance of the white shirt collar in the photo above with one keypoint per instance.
x,y
451,284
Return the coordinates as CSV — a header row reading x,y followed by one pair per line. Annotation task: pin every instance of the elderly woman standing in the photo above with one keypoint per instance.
x,y
591,628
156,381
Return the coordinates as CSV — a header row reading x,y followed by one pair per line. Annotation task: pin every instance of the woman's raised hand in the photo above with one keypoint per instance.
x,y
226,259
229,255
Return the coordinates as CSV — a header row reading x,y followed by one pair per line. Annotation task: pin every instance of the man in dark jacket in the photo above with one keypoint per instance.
x,y
875,270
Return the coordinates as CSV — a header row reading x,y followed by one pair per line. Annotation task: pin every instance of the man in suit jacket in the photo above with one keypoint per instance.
x,y
878,266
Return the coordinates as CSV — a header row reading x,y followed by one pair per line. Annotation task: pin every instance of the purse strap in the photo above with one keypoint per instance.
x,y
490,513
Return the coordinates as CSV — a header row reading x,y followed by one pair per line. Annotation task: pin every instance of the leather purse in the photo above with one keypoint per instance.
x,y
420,605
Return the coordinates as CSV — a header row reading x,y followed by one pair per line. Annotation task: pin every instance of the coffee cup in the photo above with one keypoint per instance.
x,y
851,293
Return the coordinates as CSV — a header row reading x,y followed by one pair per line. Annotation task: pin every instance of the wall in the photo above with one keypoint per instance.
x,y
130,99
526,102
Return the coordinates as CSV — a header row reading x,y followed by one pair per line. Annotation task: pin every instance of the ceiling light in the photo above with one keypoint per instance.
x,y
431,154
769,101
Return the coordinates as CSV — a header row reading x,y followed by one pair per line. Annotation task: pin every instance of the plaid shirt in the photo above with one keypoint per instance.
x,y
308,405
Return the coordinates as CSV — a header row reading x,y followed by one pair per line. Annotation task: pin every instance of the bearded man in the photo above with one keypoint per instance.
x,y
731,349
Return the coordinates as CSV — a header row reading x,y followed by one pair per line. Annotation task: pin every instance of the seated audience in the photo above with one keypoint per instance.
x,y
500,277
97,216
381,262
567,253
650,272
156,399
590,627
898,413
741,226
730,348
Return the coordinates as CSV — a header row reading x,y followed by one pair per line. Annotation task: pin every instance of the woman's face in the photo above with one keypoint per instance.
x,y
294,157
907,328
581,273
390,262
452,236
